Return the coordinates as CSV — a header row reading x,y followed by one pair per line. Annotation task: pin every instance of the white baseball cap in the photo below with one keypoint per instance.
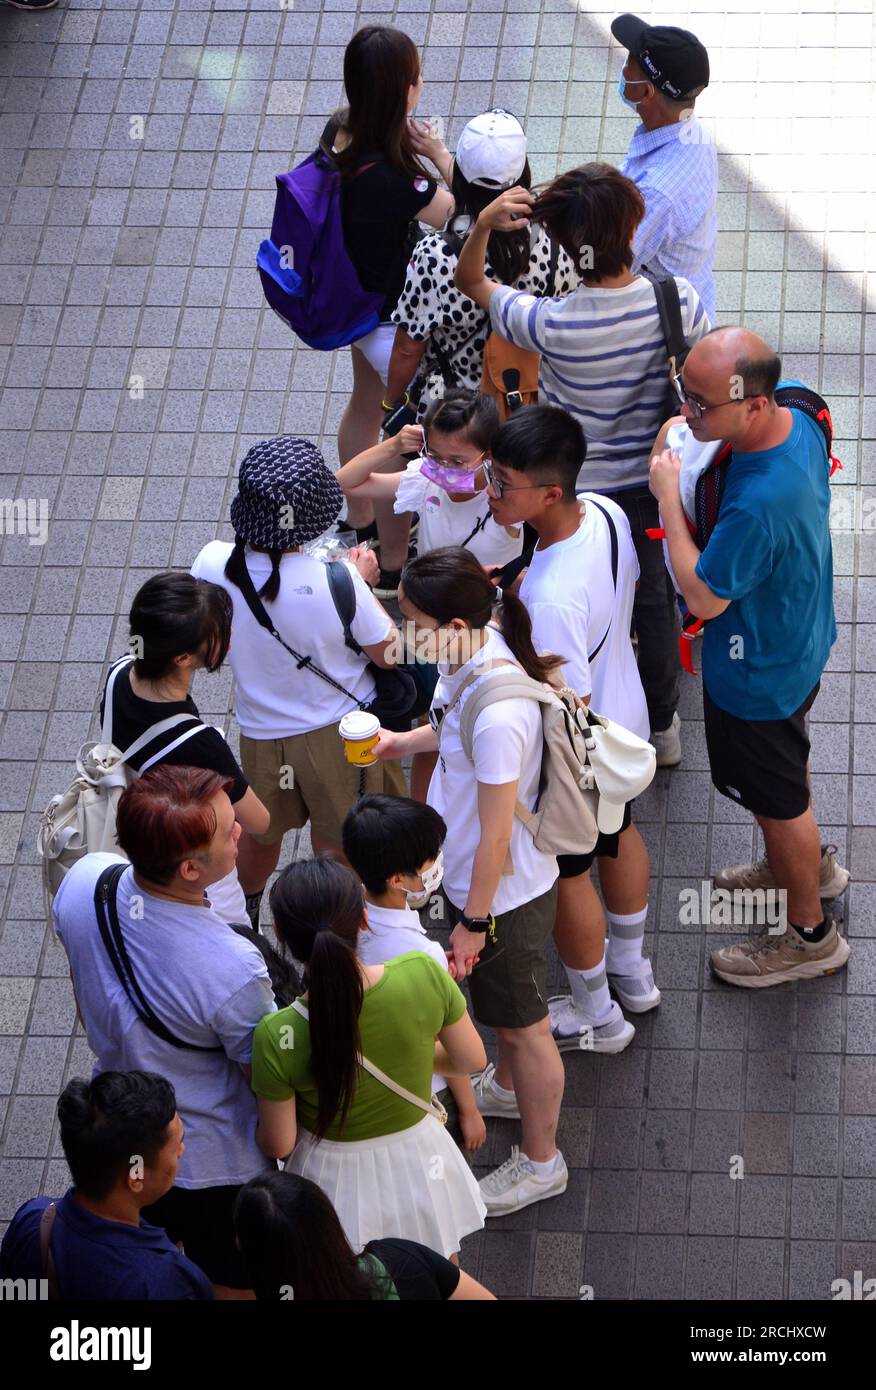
x,y
491,150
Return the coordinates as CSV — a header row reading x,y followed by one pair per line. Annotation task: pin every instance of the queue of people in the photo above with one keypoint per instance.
x,y
530,553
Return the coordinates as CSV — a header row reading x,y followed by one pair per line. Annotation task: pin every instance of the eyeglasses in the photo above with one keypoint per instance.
x,y
426,453
697,408
499,488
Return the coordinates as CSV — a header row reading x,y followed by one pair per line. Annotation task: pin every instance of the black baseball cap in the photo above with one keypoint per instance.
x,y
674,59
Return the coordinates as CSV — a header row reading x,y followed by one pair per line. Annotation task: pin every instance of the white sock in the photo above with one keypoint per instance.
x,y
590,992
542,1170
625,937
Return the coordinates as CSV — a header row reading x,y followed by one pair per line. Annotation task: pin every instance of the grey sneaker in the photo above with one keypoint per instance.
x,y
667,742
487,1098
774,960
574,1033
514,1185
834,878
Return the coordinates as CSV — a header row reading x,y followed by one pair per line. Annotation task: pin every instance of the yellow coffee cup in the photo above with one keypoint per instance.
x,y
360,732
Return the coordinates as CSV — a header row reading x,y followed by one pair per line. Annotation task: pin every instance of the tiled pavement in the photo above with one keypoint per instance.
x,y
137,146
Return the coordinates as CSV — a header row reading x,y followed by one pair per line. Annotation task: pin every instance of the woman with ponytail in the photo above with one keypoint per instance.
x,y
371,1139
499,889
288,714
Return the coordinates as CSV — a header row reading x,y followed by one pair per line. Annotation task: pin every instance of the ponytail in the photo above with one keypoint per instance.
x,y
451,583
236,564
317,907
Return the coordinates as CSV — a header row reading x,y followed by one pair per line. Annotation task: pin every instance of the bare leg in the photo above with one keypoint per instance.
x,y
579,927
360,426
255,862
325,849
532,1067
624,881
794,852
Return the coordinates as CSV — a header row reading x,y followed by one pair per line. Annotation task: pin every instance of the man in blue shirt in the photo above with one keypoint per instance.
x,y
122,1138
764,582
672,158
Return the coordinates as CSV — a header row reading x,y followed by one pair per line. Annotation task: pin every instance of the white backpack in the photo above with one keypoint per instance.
x,y
586,759
82,820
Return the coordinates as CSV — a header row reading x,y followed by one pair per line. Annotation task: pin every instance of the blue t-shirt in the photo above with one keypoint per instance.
x,y
99,1259
770,554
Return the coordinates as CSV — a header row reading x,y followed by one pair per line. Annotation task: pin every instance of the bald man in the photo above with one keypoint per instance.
x,y
764,582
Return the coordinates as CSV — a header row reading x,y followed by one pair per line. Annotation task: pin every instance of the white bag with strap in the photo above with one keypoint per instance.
x,y
432,1107
590,766
82,820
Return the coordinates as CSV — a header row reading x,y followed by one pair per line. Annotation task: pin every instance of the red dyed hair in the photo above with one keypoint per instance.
x,y
166,816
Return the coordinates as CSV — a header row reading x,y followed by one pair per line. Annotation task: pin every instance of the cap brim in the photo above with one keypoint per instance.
x,y
628,30
609,816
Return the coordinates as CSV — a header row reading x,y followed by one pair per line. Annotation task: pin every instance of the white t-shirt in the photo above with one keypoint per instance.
x,y
393,931
273,698
568,591
208,985
507,747
445,522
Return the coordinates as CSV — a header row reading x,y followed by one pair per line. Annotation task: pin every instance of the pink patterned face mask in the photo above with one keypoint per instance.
x,y
450,479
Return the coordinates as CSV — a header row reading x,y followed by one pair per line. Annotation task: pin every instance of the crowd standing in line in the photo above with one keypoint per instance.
x,y
511,538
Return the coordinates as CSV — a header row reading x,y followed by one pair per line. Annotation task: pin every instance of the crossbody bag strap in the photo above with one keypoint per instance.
x,y
106,908
432,1107
669,310
47,1260
612,529
480,525
343,592
262,617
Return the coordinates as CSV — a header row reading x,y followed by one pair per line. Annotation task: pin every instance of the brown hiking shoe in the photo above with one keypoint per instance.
x,y
775,960
833,877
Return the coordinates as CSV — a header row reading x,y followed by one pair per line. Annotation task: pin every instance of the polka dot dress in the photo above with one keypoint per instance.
x,y
431,304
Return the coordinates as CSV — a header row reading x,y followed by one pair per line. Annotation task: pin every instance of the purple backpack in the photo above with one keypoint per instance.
x,y
306,274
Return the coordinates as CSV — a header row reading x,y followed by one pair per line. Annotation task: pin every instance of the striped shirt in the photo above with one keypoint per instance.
x,y
676,171
603,358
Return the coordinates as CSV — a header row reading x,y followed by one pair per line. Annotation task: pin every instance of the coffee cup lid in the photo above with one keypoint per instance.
x,y
358,724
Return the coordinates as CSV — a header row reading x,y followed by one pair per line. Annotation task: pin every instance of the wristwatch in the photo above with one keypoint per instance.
x,y
480,924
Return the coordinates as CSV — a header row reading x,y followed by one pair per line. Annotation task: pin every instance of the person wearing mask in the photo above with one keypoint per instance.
x,y
503,911
764,585
295,1248
344,1076
612,378
385,191
289,713
394,844
98,1245
179,625
163,985
578,590
672,159
441,332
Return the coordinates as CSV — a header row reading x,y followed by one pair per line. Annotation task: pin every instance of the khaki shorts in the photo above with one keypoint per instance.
x,y
306,777
508,984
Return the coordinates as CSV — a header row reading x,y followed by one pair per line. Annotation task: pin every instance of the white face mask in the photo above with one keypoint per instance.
x,y
431,879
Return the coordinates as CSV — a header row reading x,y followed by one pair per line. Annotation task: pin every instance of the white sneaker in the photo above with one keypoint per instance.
x,y
487,1098
574,1033
515,1185
667,742
637,993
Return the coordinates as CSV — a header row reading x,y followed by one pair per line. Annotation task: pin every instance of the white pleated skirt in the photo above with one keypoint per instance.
x,y
414,1184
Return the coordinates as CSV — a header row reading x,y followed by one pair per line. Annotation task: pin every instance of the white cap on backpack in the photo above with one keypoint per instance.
x,y
491,151
623,767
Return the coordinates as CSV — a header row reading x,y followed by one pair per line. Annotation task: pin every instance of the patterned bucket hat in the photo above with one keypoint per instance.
x,y
286,495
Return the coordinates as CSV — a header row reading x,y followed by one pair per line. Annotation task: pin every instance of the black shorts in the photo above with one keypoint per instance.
x,y
571,865
200,1217
760,763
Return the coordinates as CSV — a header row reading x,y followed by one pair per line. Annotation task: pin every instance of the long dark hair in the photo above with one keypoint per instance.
x,y
290,1238
380,66
174,614
450,583
317,906
507,252
235,566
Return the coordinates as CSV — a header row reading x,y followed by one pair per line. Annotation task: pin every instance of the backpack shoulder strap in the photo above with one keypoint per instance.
x,y
343,592
808,402
47,1262
433,1107
513,684
669,309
